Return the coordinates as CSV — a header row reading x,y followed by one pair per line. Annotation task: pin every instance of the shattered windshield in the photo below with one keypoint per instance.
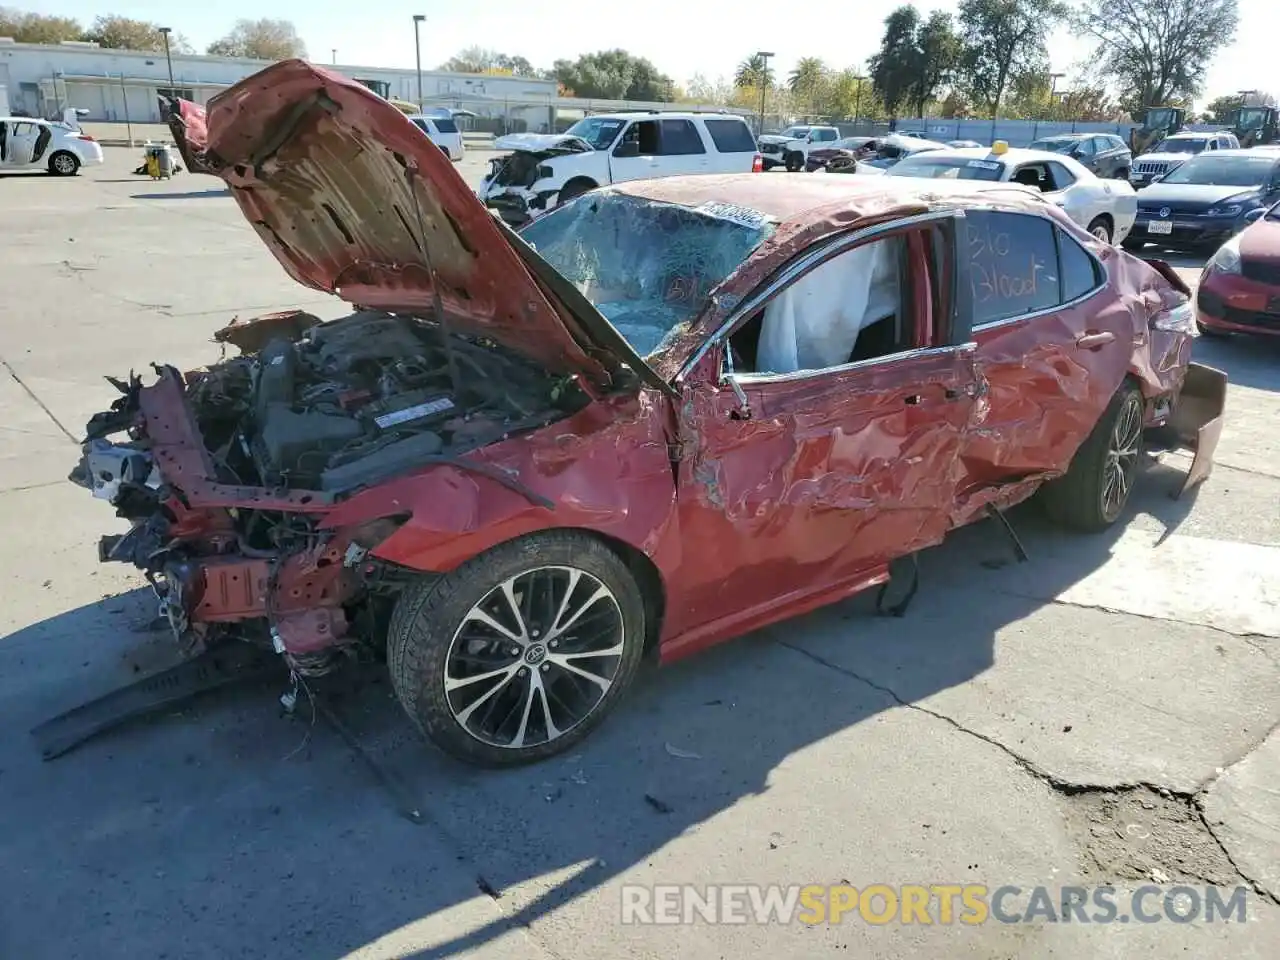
x,y
648,267
1181,145
600,132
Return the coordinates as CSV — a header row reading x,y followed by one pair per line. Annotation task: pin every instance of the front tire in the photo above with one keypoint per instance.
x,y
64,164
521,652
795,161
1094,491
1100,227
574,189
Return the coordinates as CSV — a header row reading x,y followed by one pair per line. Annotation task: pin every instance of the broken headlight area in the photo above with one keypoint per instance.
x,y
226,473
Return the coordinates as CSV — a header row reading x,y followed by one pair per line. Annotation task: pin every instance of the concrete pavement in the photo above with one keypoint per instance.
x,y
1106,713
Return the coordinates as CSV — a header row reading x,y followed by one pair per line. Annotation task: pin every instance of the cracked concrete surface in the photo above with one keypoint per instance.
x,y
1105,713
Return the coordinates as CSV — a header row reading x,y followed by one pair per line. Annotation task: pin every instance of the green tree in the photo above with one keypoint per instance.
x,y
894,68
1002,41
26,27
700,89
808,80
1156,51
849,94
125,33
754,72
613,75
482,60
938,52
264,39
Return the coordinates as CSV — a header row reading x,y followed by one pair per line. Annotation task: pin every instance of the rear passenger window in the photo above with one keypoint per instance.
x,y
1081,274
680,138
731,136
1012,263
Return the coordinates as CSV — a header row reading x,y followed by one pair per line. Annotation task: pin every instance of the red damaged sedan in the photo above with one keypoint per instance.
x,y
665,414
1239,290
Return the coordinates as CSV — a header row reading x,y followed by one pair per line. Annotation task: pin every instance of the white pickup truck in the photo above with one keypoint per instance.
x,y
791,147
545,170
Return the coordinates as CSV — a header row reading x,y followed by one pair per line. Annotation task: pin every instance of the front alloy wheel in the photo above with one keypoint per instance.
x,y
519,653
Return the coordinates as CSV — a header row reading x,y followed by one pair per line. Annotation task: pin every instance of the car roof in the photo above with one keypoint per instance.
x,y
1012,155
663,114
1193,134
797,199
1237,152
39,120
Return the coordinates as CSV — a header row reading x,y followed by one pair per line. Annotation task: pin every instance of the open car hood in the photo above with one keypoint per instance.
x,y
543,143
353,200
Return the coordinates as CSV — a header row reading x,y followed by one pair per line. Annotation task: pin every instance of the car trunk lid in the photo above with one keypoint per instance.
x,y
353,200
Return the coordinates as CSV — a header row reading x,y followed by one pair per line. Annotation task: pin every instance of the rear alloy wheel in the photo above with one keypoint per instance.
x,y
1094,491
1101,228
64,164
521,652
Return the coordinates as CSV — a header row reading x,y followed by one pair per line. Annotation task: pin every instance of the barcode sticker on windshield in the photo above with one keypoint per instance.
x,y
730,211
983,164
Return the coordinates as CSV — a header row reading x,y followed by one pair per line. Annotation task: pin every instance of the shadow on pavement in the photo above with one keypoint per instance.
x,y
162,831
189,195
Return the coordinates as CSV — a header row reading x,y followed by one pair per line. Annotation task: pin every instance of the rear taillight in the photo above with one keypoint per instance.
x,y
757,164
85,136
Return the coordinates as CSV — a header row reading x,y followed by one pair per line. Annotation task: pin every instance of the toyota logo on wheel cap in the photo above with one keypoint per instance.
x,y
1164,211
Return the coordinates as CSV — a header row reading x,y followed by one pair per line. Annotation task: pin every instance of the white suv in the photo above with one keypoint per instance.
x,y
545,170
442,131
791,147
1175,150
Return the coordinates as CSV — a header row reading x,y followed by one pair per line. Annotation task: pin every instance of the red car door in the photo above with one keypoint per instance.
x,y
1051,351
797,488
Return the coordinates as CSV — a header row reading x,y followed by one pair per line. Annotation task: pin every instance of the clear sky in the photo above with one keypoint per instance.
x,y
681,37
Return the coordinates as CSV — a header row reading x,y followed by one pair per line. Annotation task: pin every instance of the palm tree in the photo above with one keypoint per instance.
x,y
808,78
753,72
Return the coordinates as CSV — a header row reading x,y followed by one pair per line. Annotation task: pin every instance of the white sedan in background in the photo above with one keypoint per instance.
x,y
27,144
1106,208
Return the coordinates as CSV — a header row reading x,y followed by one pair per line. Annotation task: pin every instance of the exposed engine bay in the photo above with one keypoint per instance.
x,y
227,471
520,168
358,400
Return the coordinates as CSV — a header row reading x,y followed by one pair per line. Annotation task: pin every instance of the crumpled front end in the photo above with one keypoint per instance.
x,y
230,475
522,185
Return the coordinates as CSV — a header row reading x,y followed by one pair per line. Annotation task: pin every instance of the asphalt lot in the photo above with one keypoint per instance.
x,y
1104,713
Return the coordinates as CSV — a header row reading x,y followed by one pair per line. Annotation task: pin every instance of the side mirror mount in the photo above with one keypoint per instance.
x,y
629,148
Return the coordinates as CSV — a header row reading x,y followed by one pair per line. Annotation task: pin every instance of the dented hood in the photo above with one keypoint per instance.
x,y
353,200
543,143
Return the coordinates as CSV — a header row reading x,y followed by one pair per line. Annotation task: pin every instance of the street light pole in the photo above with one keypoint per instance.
x,y
763,57
164,32
857,101
334,51
417,46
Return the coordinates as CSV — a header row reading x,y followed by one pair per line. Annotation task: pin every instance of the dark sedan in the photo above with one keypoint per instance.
x,y
1103,153
1206,200
848,148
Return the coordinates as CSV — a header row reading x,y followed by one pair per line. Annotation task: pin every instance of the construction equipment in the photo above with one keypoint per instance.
x,y
1157,123
1255,126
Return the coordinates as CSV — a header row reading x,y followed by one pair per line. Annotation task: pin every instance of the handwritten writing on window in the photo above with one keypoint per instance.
x,y
1006,273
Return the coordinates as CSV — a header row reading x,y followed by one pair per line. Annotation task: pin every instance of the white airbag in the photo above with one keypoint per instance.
x,y
815,322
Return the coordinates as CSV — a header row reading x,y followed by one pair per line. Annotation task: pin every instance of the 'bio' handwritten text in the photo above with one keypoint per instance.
x,y
997,270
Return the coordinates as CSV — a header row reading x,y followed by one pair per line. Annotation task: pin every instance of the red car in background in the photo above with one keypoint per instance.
x,y
667,413
1239,290
850,148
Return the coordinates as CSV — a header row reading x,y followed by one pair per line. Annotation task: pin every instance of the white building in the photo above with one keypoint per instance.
x,y
122,85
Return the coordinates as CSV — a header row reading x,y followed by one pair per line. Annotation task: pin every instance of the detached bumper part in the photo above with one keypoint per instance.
x,y
1195,423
